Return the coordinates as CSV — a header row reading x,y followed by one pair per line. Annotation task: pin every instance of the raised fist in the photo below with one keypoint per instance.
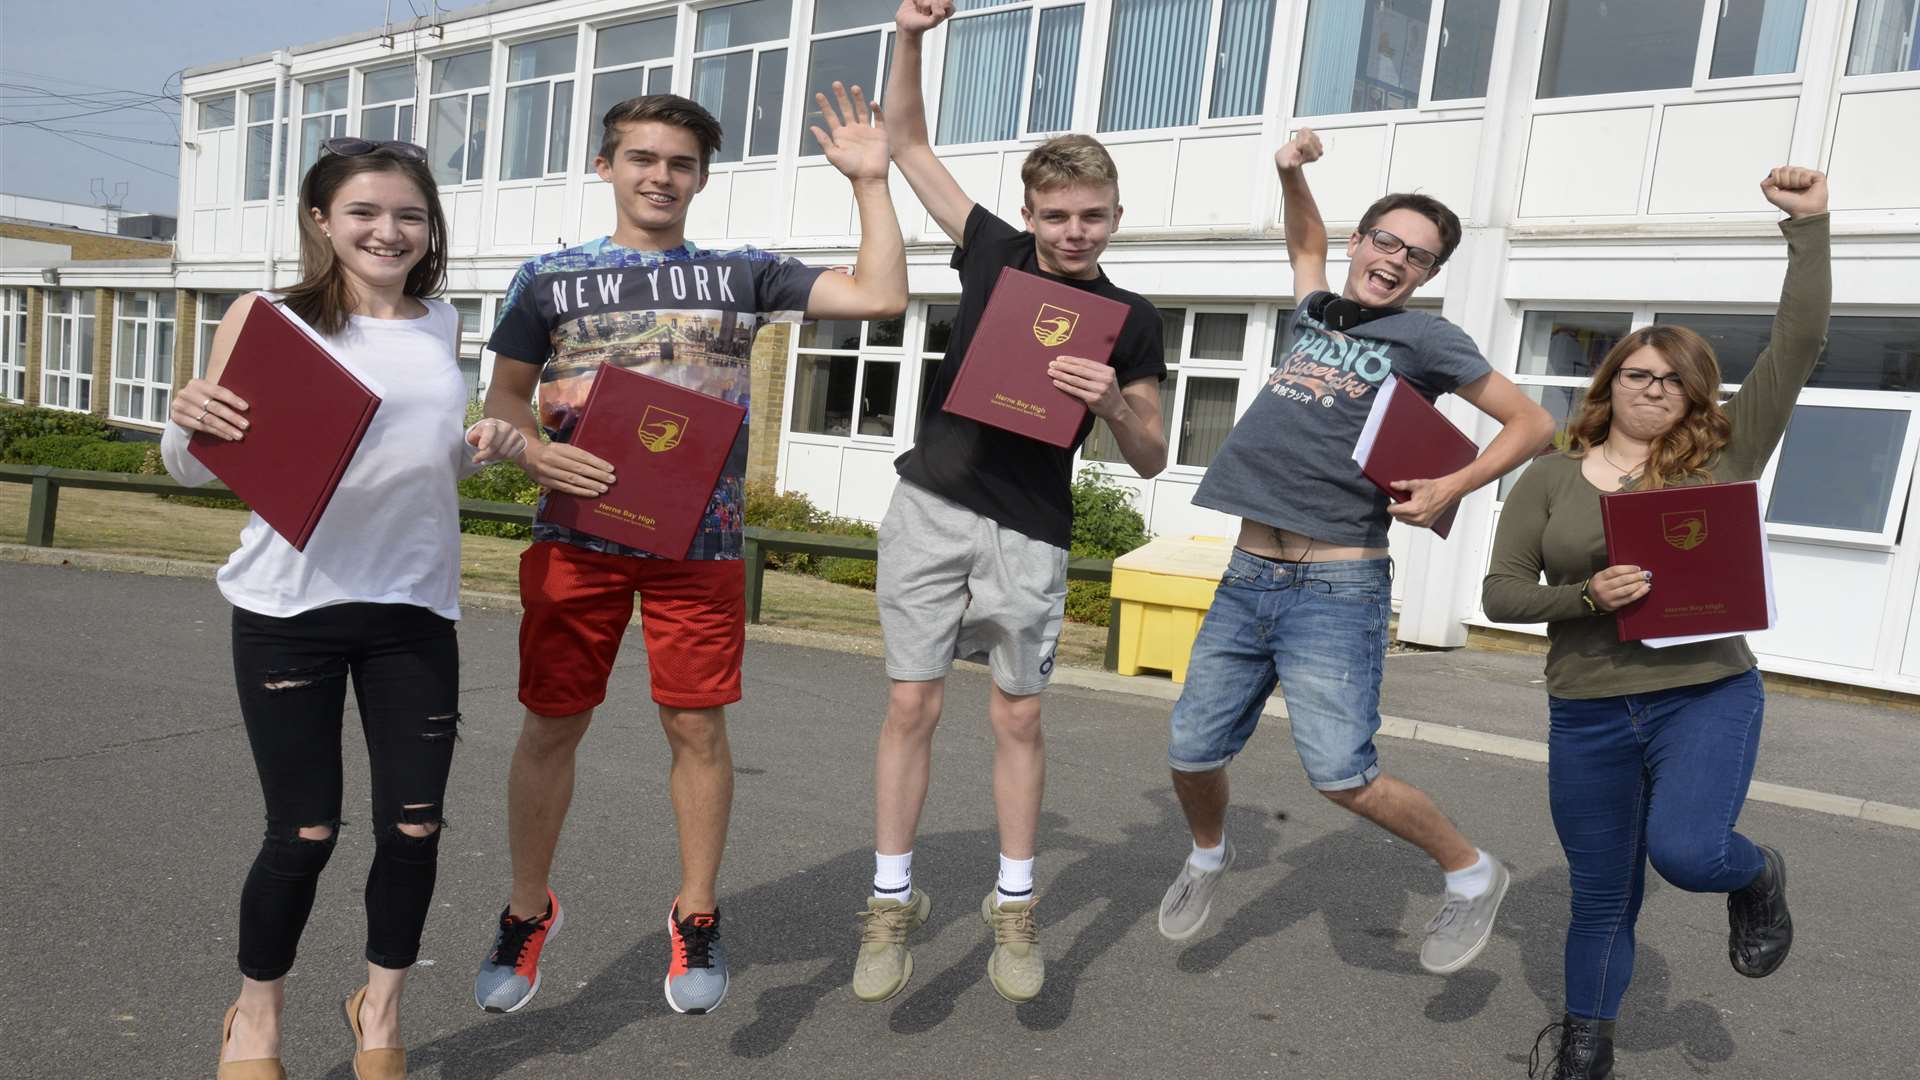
x,y
920,16
1800,192
1299,150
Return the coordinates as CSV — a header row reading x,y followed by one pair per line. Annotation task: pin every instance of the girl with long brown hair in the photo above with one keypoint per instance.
x,y
372,598
1651,750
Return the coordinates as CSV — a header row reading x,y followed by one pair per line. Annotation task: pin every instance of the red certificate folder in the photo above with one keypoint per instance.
x,y
1028,321
1406,438
1708,552
306,416
667,445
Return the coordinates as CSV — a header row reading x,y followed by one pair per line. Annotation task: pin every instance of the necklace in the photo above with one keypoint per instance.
x,y
1626,475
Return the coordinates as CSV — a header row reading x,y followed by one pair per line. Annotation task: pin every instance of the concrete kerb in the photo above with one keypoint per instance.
x,y
1394,727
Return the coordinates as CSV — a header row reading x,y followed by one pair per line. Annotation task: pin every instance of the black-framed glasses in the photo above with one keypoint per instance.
x,y
347,146
1386,243
1634,378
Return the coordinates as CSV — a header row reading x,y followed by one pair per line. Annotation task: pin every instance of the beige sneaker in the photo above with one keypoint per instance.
x,y
885,963
1016,967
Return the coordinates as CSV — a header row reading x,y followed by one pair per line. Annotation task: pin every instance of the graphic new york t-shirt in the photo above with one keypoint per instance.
x,y
684,315
1288,462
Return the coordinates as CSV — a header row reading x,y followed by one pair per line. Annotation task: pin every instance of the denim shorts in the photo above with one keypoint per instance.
x,y
1319,631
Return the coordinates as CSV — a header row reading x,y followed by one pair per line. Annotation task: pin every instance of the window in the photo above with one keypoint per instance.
x,y
260,167
457,116
846,377
936,335
213,307
13,344
214,113
1159,64
739,69
1371,57
539,108
988,66
323,116
1628,45
473,340
386,103
143,356
851,45
1886,37
1100,445
629,60
1842,470
66,351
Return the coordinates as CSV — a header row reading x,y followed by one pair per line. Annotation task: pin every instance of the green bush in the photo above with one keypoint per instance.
x,y
77,452
794,512
20,422
502,482
1105,525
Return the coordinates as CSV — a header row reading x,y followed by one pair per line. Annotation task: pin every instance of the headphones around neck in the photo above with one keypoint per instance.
x,y
1336,312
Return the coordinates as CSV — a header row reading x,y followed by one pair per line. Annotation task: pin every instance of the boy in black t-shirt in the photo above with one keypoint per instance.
x,y
973,551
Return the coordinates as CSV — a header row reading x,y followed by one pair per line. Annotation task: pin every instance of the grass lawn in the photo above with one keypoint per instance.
x,y
130,524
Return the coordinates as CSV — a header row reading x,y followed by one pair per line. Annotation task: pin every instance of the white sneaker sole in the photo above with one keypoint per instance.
x,y
666,987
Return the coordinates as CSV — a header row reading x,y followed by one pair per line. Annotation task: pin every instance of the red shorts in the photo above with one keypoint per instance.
x,y
577,605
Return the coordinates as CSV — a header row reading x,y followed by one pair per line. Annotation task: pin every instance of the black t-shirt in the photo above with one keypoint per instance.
x,y
1021,483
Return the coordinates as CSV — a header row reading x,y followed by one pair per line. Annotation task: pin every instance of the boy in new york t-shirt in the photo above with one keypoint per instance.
x,y
646,299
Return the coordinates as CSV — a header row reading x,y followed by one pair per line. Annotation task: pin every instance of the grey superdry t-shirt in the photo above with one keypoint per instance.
x,y
1288,462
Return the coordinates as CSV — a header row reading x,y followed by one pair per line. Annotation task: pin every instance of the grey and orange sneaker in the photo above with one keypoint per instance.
x,y
1016,968
697,973
885,963
510,972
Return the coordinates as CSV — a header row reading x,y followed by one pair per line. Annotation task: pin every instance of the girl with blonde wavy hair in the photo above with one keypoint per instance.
x,y
1651,750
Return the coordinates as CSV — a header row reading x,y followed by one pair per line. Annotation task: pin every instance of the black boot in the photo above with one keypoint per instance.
x,y
1585,1051
1759,929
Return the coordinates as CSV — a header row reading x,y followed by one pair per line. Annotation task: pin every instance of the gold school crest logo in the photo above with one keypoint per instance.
x,y
660,430
1053,325
1684,529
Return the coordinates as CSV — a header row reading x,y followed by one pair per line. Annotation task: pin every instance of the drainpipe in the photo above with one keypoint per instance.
x,y
276,170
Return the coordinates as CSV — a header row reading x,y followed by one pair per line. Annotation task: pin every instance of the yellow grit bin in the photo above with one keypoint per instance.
x,y
1164,590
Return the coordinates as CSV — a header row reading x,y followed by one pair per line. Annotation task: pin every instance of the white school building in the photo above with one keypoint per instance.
x,y
1605,159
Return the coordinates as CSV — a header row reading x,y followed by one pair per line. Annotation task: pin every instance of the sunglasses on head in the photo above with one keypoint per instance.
x,y
351,147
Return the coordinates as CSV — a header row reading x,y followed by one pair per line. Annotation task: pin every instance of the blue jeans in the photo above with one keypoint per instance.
x,y
1318,630
1654,777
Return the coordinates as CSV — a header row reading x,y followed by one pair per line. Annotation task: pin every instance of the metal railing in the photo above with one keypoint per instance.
x,y
43,507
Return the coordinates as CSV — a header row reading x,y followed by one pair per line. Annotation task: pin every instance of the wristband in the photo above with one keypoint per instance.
x,y
1586,597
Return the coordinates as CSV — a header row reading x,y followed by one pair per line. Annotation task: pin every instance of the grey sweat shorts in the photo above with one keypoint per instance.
x,y
955,585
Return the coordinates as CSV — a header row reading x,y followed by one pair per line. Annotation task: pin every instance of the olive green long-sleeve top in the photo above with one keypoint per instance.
x,y
1551,521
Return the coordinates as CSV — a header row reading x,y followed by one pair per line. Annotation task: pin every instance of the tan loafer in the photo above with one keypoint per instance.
x,y
251,1069
387,1063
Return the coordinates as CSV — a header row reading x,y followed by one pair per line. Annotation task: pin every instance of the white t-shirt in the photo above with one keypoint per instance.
x,y
391,534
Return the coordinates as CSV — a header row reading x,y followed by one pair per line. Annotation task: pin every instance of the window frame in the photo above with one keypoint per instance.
x,y
338,120
145,330
1872,81
1425,107
469,178
474,345
1884,538
695,54
1096,46
571,77
883,66
79,376
866,353
410,104
200,127
277,178
14,303
648,68
1024,135
204,327
1728,88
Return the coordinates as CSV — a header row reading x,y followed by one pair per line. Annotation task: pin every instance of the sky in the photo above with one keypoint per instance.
x,y
138,47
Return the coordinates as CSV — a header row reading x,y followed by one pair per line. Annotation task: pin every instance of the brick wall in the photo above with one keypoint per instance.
x,y
87,246
102,392
769,389
186,335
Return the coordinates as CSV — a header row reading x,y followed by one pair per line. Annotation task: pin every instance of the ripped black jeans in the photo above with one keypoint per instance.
x,y
292,673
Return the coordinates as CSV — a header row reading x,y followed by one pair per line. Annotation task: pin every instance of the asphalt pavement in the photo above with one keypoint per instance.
x,y
131,813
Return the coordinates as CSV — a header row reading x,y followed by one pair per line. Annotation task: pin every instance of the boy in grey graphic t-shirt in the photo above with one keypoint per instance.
x,y
1304,601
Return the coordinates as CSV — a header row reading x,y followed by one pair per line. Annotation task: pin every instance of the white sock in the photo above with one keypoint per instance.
x,y
1474,880
1016,881
1208,859
893,877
